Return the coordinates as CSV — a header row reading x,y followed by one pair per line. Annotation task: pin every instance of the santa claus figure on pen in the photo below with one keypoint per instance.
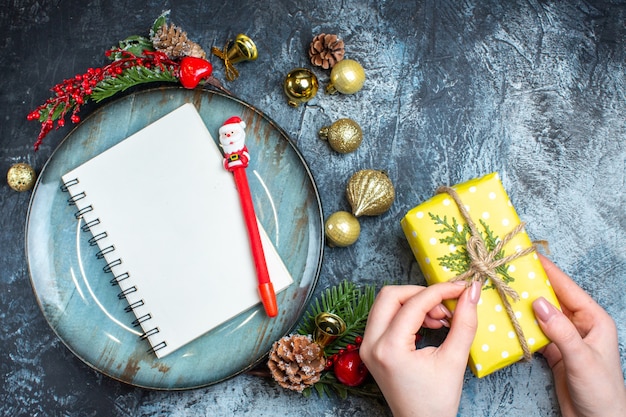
x,y
232,140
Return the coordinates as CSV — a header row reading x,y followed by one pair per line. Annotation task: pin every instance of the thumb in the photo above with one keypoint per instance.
x,y
464,324
559,329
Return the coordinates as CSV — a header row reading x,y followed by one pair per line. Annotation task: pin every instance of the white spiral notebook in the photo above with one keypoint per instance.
x,y
166,217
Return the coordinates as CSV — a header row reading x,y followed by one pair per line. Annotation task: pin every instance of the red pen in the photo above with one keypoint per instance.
x,y
232,140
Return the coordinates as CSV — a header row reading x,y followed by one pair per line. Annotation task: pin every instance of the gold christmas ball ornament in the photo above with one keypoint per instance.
x,y
370,192
300,86
342,229
21,177
344,136
347,77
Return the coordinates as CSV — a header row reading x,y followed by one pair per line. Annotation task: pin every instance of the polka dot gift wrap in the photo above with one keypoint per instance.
x,y
437,231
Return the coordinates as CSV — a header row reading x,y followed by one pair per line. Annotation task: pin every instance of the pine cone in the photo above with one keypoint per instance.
x,y
296,362
173,41
326,50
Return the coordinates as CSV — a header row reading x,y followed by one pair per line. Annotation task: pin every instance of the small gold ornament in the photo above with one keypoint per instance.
x,y
300,86
21,177
344,136
342,229
347,77
328,328
370,192
242,49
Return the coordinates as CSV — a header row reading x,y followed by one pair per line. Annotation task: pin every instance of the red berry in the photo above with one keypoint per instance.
x,y
350,369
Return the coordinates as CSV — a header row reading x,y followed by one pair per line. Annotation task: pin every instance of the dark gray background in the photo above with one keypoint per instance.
x,y
533,89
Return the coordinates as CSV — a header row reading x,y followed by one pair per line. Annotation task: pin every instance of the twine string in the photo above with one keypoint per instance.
x,y
483,264
230,70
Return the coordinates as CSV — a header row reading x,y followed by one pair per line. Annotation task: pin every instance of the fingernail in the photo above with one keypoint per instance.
x,y
543,309
474,290
445,323
445,311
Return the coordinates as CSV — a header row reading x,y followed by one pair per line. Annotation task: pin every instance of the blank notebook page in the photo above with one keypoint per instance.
x,y
172,213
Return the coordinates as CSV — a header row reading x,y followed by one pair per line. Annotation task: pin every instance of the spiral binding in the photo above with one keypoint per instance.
x,y
104,251
155,348
72,200
121,277
108,268
150,332
93,241
133,306
87,226
68,184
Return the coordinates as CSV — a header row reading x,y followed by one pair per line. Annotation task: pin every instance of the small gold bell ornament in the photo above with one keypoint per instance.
x,y
347,77
241,49
370,192
344,135
342,229
300,86
21,177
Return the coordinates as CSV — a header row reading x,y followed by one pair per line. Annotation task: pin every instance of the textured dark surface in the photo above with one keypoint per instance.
x,y
534,90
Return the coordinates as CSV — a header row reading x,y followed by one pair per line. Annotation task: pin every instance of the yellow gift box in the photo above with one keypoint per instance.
x,y
437,233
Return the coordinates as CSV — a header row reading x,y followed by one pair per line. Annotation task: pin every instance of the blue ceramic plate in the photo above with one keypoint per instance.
x,y
82,306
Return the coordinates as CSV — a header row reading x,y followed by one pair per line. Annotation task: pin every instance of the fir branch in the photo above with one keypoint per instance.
x,y
457,235
353,305
355,316
329,386
330,301
347,301
131,77
491,240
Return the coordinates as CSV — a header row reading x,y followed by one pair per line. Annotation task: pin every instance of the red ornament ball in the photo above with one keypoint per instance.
x,y
350,369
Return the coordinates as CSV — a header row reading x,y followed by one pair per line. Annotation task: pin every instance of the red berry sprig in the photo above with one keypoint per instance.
x,y
330,361
72,93
347,365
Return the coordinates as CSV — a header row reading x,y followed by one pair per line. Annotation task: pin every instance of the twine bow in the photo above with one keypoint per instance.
x,y
483,264
230,70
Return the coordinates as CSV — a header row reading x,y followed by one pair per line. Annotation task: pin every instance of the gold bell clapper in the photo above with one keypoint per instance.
x,y
300,86
328,327
241,49
346,77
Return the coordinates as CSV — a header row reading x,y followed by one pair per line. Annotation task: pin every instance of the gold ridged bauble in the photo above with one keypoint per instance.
x,y
21,177
344,136
347,77
342,229
300,86
370,192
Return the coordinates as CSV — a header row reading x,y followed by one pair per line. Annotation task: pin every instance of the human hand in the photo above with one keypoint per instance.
x,y
584,354
427,381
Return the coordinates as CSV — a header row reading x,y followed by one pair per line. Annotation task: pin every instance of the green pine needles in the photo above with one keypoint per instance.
x,y
353,305
349,302
456,236
131,77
